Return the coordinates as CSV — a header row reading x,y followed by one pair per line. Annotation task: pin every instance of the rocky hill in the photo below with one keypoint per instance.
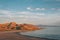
x,y
15,26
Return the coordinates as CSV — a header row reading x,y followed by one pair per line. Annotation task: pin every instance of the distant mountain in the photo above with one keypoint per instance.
x,y
47,26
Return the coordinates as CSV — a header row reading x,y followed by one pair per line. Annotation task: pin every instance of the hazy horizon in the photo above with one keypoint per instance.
x,y
46,12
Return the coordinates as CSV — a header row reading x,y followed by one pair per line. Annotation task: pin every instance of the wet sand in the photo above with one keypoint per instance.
x,y
13,35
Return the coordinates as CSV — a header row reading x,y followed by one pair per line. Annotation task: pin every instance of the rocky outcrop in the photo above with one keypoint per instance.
x,y
29,27
14,26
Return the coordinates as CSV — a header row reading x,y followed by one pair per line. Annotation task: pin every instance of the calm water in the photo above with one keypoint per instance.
x,y
48,32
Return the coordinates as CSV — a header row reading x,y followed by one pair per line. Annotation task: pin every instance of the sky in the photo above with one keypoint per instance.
x,y
46,12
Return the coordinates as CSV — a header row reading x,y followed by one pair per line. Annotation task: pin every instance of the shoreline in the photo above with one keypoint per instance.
x,y
14,35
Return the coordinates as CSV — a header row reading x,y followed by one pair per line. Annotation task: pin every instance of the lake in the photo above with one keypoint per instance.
x,y
48,32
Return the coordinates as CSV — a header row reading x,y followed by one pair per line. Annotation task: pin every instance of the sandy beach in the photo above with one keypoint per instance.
x,y
14,35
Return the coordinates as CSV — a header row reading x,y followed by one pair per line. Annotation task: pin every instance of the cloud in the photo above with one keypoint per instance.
x,y
29,8
35,9
40,9
23,14
5,13
58,9
53,9
51,19
30,17
40,14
